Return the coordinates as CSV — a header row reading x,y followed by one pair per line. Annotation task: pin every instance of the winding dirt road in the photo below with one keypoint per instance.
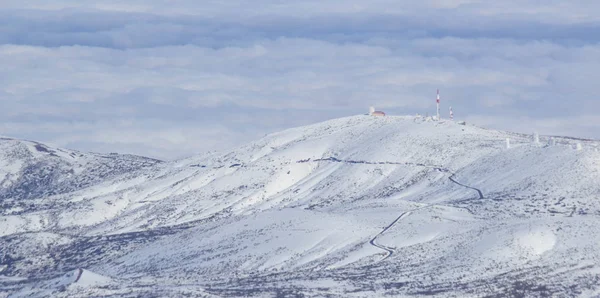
x,y
79,273
390,250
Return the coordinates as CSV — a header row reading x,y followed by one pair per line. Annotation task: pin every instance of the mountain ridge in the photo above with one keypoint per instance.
x,y
356,206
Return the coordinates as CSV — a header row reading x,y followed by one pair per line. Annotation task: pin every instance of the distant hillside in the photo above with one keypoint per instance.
x,y
352,207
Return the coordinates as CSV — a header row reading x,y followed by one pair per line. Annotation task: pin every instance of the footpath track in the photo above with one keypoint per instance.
x,y
389,251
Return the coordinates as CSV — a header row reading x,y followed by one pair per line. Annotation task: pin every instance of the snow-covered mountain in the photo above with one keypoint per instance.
x,y
352,207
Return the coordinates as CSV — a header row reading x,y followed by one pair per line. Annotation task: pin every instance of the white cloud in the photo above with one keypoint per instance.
x,y
552,10
169,79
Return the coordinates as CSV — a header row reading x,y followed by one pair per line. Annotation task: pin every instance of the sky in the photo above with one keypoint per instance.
x,y
171,79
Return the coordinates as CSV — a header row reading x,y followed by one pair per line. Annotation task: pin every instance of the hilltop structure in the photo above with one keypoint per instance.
x,y
372,112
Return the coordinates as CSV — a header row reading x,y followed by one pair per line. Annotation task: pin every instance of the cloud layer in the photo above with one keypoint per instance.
x,y
171,79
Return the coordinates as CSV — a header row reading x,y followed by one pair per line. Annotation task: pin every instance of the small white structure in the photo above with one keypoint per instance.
x,y
419,118
552,142
507,143
579,147
536,138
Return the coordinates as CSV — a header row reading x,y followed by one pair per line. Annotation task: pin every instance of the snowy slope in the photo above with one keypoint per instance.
x,y
357,206
30,170
37,181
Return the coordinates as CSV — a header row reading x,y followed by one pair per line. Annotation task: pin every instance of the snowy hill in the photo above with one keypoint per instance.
x,y
38,179
32,170
358,206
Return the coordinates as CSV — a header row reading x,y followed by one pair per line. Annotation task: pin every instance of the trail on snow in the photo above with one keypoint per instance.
x,y
79,273
390,250
479,192
350,161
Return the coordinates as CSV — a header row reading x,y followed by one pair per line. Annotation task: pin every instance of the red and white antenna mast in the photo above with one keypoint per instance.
x,y
438,104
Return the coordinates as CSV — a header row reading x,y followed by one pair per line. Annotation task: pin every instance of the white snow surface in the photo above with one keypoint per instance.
x,y
353,207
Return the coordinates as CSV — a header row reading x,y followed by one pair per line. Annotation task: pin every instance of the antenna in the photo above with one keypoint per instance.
x,y
451,114
438,104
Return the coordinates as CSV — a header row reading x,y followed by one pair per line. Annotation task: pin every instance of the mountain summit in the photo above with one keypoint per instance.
x,y
353,207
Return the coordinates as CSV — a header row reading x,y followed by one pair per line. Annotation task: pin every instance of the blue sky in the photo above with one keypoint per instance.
x,y
170,79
